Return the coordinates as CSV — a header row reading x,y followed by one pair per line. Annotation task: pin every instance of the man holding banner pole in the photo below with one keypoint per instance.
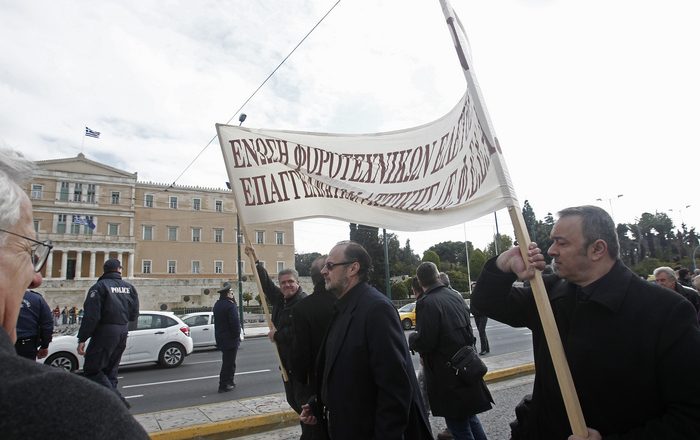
x,y
283,300
633,347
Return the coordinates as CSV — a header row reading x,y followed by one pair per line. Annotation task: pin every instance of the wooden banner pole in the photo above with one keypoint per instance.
x,y
263,301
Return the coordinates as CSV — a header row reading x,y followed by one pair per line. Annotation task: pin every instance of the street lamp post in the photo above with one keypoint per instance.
x,y
609,199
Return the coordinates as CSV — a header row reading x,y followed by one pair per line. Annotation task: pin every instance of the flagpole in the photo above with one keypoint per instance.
x,y
544,308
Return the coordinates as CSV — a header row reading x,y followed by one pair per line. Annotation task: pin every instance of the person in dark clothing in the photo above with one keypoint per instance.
x,y
666,277
633,347
442,328
38,401
311,318
366,384
34,327
227,331
283,300
109,306
481,320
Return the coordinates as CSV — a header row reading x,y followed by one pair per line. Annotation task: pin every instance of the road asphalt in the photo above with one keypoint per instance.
x,y
235,418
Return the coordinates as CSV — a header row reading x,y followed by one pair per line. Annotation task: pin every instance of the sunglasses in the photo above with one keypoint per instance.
x,y
40,250
329,266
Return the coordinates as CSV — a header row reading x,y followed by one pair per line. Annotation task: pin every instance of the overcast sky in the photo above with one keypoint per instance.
x,y
588,99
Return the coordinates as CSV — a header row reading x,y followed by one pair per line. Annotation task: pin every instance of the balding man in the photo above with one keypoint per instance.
x,y
40,401
367,387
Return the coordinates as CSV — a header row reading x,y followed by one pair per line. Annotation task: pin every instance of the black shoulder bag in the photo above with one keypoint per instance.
x,y
467,364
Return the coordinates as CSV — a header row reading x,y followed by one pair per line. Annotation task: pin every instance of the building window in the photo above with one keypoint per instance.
x,y
218,235
63,194
172,233
218,267
148,233
148,201
239,237
115,197
146,266
78,192
219,204
37,191
196,204
279,237
280,266
90,193
75,225
260,237
113,229
196,234
36,226
61,224
172,266
173,202
195,266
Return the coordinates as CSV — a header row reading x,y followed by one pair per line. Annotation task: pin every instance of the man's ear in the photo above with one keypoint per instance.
x,y
598,250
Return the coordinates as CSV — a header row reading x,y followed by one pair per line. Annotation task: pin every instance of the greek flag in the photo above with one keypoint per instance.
x,y
87,221
91,133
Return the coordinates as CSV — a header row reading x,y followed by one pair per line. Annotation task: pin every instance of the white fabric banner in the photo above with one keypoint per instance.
x,y
428,177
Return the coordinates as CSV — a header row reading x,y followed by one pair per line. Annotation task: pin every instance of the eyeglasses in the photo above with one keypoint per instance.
x,y
40,250
329,266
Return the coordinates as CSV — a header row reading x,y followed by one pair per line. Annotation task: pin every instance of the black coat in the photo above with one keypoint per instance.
x,y
633,349
227,324
372,391
311,318
282,311
110,300
442,328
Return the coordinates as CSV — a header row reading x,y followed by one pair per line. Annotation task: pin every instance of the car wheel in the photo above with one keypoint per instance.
x,y
63,360
407,324
171,355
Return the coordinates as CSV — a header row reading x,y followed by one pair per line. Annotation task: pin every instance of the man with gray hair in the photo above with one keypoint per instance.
x,y
283,299
633,347
28,410
666,277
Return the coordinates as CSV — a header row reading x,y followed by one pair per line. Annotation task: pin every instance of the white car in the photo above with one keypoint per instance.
x,y
202,328
155,336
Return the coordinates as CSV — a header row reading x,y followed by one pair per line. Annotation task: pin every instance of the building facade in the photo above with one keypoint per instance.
x,y
177,244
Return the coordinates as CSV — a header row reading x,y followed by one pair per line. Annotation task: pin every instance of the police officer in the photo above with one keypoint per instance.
x,y
227,330
109,306
34,326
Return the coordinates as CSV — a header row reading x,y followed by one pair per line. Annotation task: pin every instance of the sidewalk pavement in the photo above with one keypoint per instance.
x,y
238,417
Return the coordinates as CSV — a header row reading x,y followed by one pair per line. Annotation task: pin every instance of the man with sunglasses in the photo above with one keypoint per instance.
x,y
28,409
367,386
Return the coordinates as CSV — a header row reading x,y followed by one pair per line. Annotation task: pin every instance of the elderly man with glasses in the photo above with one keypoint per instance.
x,y
39,401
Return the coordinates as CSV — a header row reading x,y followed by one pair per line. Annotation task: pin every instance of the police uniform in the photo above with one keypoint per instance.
x,y
109,306
34,325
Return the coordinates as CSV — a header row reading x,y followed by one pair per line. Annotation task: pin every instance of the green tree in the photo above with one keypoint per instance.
x,y
451,252
302,263
407,261
368,237
247,297
477,260
504,243
431,256
399,290
458,280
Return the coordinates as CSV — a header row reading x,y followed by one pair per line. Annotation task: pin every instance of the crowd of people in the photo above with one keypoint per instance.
x,y
633,347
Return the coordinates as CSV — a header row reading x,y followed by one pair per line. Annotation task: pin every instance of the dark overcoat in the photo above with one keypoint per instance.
x,y
633,349
372,391
442,328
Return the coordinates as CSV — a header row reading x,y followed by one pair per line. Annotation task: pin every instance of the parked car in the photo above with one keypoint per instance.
x,y
202,328
407,315
155,336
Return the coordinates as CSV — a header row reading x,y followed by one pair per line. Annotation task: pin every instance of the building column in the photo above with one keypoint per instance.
x,y
131,264
49,266
92,264
78,264
64,265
